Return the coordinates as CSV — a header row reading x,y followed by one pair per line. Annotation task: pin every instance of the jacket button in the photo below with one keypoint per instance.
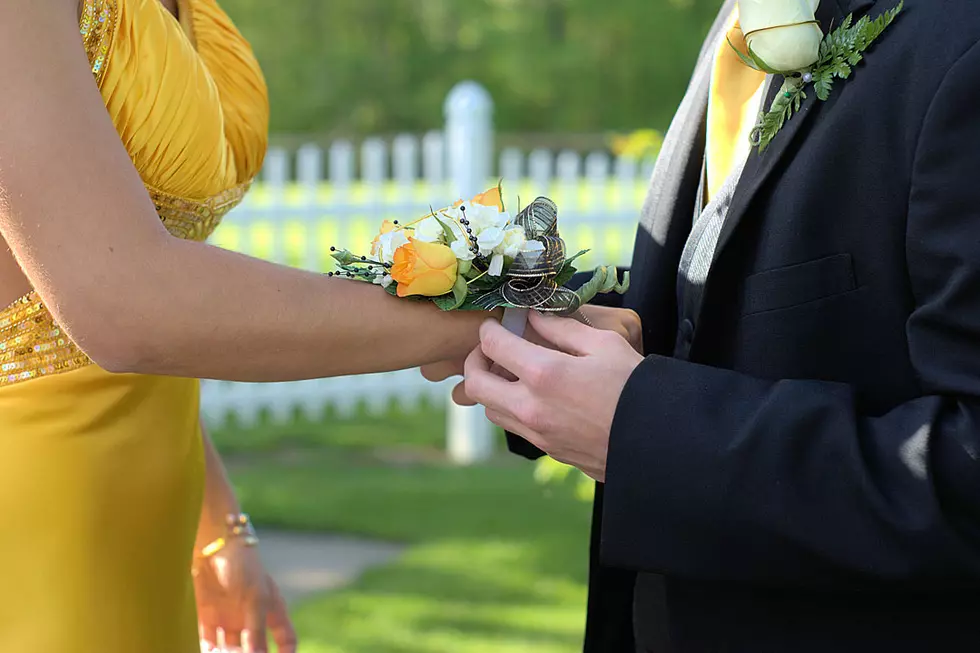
x,y
687,330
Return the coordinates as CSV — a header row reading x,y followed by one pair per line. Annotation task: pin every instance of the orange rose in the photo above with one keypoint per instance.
x,y
427,269
488,198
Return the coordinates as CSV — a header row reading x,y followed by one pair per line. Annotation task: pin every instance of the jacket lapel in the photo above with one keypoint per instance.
x,y
854,6
759,167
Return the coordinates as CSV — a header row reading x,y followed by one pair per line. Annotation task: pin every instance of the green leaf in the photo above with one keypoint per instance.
x,y
823,83
460,291
762,65
484,284
446,230
568,270
572,259
344,257
566,274
747,60
789,100
392,289
445,302
454,299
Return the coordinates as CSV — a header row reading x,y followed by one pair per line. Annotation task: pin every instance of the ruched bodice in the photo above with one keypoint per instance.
x,y
187,98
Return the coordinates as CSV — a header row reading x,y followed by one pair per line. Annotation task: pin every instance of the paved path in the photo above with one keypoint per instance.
x,y
306,563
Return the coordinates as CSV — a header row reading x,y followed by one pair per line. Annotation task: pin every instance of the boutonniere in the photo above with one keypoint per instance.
x,y
784,38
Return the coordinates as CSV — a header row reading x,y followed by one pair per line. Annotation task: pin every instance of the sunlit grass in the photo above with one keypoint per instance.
x,y
420,431
496,562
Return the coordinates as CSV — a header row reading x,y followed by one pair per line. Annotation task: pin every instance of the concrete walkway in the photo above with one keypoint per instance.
x,y
307,563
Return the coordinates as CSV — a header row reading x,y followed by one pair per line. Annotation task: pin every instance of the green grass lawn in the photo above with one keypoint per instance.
x,y
496,561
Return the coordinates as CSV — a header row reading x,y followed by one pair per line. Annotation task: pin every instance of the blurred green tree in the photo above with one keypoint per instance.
x,y
379,66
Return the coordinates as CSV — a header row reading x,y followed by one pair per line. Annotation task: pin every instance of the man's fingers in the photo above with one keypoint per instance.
x,y
485,387
503,373
460,398
512,425
570,336
280,625
442,370
512,353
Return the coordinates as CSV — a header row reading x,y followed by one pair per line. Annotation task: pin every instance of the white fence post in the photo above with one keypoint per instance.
x,y
469,149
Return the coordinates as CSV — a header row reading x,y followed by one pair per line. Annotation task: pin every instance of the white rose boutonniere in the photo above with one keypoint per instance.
x,y
784,38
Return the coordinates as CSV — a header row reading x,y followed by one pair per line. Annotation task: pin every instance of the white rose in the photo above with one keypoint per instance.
x,y
489,239
429,231
480,217
780,32
462,250
389,242
512,242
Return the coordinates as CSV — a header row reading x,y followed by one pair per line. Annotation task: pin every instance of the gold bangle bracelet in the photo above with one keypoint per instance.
x,y
213,548
239,526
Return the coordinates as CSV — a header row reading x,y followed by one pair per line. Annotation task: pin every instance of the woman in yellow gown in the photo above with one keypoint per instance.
x,y
125,135
103,474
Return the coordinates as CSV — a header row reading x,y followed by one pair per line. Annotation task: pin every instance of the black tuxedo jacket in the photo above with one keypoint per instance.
x,y
805,476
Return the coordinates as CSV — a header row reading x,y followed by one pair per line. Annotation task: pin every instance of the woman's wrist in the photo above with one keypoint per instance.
x,y
235,528
470,335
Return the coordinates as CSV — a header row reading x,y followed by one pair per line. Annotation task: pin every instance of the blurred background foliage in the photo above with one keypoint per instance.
x,y
554,67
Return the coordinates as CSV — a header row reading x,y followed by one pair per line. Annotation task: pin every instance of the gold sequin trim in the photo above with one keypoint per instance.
x,y
32,344
194,219
97,25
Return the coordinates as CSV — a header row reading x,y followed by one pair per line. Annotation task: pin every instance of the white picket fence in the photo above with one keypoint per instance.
x,y
313,199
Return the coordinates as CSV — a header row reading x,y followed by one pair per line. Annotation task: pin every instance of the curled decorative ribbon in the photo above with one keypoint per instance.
x,y
536,278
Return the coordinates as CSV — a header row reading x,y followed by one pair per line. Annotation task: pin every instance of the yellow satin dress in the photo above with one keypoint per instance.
x,y
101,475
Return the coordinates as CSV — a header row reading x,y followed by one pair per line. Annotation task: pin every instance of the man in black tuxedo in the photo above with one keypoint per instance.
x,y
795,465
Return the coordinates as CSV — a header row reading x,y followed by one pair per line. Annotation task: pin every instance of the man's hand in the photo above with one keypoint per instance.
x,y
622,321
563,402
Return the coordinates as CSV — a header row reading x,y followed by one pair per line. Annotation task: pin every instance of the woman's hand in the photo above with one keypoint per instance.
x,y
619,320
238,602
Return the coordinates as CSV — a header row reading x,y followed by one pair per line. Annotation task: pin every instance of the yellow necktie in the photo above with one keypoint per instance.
x,y
733,109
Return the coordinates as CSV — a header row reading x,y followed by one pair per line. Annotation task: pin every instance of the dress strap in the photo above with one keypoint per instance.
x,y
97,26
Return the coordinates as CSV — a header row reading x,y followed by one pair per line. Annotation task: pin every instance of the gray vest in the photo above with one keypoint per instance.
x,y
699,251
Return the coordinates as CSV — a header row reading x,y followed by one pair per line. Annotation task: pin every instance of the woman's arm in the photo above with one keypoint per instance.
x,y
235,594
219,497
77,217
